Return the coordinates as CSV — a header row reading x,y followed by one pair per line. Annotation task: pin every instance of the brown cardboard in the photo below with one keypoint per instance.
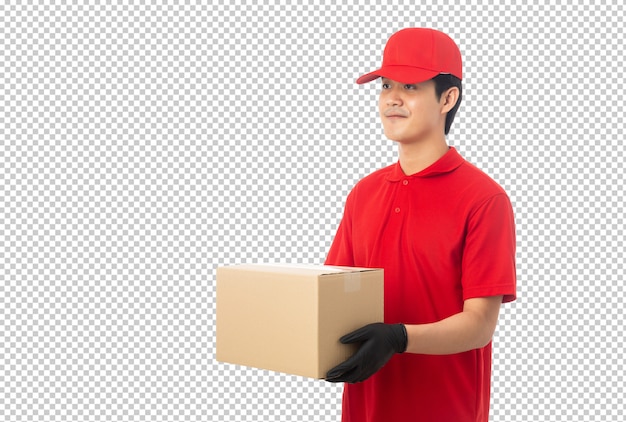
x,y
289,318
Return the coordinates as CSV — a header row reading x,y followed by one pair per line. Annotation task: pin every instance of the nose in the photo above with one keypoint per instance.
x,y
394,102
393,98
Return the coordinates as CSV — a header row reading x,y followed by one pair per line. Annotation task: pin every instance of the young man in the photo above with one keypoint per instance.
x,y
443,232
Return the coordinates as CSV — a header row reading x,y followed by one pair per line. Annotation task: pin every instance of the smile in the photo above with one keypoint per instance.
x,y
393,114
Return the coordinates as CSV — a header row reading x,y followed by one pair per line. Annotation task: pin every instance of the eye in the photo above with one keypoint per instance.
x,y
410,86
386,85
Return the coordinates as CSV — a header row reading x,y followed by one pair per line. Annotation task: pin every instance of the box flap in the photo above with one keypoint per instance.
x,y
308,269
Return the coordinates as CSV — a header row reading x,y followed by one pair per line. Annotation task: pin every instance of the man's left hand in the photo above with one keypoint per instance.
x,y
379,343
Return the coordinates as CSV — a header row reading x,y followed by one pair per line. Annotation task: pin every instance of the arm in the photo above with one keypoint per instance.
x,y
341,252
470,329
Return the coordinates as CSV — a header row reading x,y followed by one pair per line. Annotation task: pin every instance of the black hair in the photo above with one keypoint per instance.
x,y
442,83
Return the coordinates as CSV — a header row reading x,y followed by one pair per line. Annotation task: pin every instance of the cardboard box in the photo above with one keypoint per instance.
x,y
289,318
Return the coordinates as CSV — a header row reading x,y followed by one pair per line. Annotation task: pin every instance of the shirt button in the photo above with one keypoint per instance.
x,y
397,210
405,182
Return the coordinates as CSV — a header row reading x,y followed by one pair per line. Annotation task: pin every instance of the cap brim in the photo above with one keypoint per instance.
x,y
404,74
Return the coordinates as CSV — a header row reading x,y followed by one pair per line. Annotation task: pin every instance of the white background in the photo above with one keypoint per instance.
x,y
144,144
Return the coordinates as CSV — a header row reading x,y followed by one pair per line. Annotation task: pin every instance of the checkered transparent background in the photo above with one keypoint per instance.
x,y
142,145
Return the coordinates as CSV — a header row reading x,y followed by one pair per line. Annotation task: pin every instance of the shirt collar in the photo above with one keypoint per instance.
x,y
446,164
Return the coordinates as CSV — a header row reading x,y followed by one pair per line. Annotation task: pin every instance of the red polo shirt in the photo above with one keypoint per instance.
x,y
442,235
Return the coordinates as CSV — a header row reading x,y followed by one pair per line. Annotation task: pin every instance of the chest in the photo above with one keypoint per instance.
x,y
425,219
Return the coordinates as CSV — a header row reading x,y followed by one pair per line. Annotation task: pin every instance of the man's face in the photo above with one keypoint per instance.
x,y
410,113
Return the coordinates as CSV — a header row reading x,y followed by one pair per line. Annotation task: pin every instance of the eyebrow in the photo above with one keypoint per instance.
x,y
384,80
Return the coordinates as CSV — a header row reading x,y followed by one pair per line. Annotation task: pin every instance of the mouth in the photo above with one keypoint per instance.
x,y
395,115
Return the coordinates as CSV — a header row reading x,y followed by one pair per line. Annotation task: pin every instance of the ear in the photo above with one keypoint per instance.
x,y
448,99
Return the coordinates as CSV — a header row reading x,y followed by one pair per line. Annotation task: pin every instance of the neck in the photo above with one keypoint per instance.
x,y
416,157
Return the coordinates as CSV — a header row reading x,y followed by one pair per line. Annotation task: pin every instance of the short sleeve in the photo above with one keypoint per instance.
x,y
488,263
341,252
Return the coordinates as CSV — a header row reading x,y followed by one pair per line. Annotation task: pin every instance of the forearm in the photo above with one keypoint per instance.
x,y
470,329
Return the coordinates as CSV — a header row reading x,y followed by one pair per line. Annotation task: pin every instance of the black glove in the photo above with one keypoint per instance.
x,y
379,343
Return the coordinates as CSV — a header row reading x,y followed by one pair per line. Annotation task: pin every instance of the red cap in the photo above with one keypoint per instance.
x,y
415,55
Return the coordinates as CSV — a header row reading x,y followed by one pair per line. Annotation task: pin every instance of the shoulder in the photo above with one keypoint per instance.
x,y
376,178
372,184
476,180
470,189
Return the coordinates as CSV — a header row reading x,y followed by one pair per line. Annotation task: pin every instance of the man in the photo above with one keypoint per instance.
x,y
443,232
